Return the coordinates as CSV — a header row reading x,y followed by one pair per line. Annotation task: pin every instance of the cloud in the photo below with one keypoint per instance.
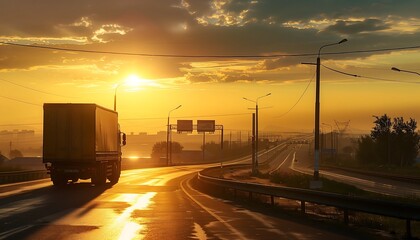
x,y
217,76
271,64
354,27
199,27
104,32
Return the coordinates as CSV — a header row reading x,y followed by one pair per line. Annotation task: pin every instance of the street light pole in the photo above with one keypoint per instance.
x,y
317,108
256,125
115,97
168,129
400,70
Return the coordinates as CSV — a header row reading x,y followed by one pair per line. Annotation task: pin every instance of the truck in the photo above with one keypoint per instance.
x,y
81,141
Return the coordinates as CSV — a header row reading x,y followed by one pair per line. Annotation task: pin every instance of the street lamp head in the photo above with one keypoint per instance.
x,y
342,41
268,94
395,69
178,107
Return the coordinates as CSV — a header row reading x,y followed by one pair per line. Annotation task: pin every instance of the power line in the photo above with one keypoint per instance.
x,y
367,77
303,93
33,89
17,100
19,124
208,56
215,115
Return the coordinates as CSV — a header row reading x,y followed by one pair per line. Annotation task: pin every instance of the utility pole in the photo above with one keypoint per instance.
x,y
256,125
317,107
204,145
168,140
254,170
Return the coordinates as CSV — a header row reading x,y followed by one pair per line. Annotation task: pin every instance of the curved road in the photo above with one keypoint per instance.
x,y
154,203
296,158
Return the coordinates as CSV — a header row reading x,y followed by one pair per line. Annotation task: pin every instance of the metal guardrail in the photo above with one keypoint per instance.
x,y
21,176
406,211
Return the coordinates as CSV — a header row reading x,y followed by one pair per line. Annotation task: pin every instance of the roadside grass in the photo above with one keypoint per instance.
x,y
411,171
303,181
297,180
393,226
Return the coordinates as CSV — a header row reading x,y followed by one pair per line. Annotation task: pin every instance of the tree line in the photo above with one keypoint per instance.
x,y
391,142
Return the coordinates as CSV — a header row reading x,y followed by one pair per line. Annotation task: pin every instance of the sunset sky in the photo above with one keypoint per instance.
x,y
207,55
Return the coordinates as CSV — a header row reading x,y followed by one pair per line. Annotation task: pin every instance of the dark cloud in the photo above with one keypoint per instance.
x,y
303,10
49,17
354,27
169,27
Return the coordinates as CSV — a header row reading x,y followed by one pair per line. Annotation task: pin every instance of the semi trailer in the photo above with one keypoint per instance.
x,y
81,141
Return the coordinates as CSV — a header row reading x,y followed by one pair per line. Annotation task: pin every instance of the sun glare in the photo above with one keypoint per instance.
x,y
134,83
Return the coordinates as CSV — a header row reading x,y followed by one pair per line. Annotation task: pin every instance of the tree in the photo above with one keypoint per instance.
x,y
381,136
159,149
366,150
406,142
390,142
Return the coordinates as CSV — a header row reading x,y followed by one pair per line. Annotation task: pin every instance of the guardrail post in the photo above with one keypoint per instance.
x,y
302,206
408,228
250,196
272,200
234,194
346,216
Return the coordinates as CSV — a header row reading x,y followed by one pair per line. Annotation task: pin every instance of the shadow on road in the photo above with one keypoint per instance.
x,y
24,213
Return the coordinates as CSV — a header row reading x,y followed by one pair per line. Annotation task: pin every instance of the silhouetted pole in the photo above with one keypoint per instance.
x,y
253,144
115,97
204,145
317,108
256,136
168,130
256,125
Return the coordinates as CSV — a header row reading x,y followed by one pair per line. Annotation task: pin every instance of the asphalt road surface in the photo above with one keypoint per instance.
x,y
296,158
154,203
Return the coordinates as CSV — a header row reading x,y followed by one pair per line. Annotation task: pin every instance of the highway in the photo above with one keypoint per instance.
x,y
152,203
296,158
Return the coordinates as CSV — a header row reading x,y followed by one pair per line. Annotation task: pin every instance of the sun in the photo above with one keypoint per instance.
x,y
135,83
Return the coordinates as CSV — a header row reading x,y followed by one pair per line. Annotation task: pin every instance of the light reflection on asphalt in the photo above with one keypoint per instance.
x,y
132,229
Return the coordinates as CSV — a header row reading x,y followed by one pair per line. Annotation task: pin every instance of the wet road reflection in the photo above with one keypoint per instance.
x,y
155,203
131,228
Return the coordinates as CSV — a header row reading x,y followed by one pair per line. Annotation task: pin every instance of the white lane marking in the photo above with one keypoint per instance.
x,y
11,232
280,164
220,219
26,189
25,183
265,222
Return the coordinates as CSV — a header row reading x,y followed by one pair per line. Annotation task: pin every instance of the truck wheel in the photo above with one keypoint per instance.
x,y
115,176
99,176
58,181
74,180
